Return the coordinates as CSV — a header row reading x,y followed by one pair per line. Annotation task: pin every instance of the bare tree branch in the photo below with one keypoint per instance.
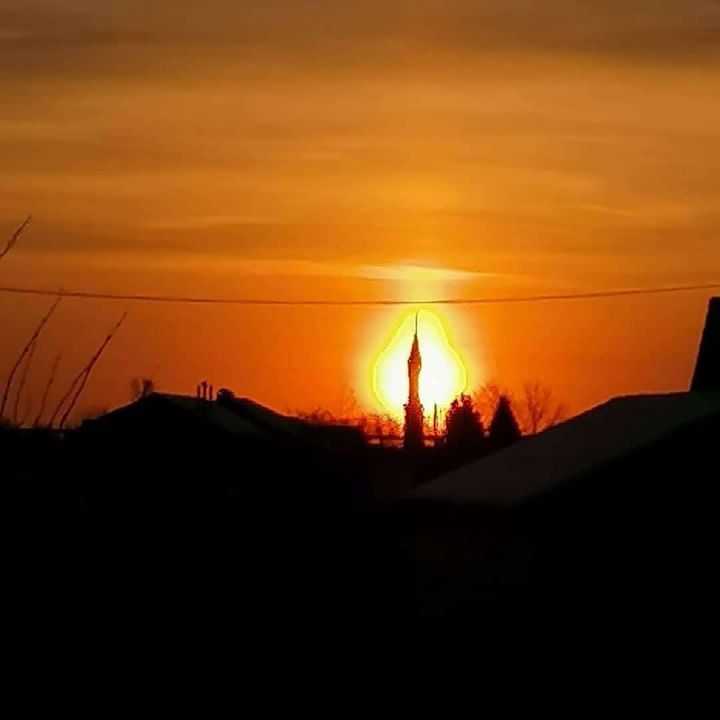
x,y
23,381
487,398
66,397
536,407
540,410
33,339
81,380
46,393
15,237
28,410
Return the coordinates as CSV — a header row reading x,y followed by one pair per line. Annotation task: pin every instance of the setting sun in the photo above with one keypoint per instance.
x,y
443,375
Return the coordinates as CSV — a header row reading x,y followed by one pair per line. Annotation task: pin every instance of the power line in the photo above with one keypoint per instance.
x,y
269,302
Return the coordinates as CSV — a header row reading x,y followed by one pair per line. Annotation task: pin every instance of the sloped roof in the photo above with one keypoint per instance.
x,y
276,422
707,369
260,415
202,409
239,416
567,451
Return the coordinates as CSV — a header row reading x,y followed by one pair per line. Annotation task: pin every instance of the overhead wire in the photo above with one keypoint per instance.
x,y
368,302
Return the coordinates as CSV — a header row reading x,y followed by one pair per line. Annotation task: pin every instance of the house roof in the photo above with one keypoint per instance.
x,y
322,433
216,414
707,369
259,415
239,416
203,410
555,457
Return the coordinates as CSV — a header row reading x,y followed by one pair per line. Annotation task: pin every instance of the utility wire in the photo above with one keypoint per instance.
x,y
188,300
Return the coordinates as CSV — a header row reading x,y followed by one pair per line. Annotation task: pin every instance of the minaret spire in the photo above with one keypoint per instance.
x,y
414,419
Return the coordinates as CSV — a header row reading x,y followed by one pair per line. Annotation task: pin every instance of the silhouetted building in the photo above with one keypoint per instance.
x,y
613,509
220,509
597,443
707,368
249,426
611,513
414,415
328,436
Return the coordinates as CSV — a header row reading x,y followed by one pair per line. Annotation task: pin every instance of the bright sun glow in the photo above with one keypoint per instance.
x,y
443,375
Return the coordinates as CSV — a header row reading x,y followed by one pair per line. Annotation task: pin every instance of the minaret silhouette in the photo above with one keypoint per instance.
x,y
414,409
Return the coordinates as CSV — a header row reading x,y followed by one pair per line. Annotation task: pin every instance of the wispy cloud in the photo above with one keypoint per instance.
x,y
291,267
269,129
265,267
200,222
418,273
150,37
647,213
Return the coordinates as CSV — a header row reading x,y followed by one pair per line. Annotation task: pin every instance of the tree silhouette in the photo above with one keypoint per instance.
x,y
463,426
504,429
539,409
535,406
486,400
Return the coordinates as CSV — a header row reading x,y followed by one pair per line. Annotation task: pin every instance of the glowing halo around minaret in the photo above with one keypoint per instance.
x,y
443,376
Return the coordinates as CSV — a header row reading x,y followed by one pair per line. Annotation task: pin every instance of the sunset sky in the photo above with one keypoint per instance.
x,y
401,149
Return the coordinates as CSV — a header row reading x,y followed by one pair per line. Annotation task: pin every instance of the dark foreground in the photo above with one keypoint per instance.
x,y
163,535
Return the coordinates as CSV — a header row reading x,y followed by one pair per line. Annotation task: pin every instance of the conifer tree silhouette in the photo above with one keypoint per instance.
x,y
463,426
504,429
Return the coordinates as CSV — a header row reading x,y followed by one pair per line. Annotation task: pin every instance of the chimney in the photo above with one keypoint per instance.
x,y
707,369
225,397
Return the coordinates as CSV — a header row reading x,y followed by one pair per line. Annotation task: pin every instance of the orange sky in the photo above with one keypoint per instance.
x,y
277,149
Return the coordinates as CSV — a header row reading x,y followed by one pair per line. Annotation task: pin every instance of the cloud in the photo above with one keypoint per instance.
x,y
84,38
236,266
396,272
418,273
366,131
204,222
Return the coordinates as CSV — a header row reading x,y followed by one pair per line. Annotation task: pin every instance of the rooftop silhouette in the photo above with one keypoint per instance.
x,y
707,368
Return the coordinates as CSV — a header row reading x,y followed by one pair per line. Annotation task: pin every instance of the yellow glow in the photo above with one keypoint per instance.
x,y
443,375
